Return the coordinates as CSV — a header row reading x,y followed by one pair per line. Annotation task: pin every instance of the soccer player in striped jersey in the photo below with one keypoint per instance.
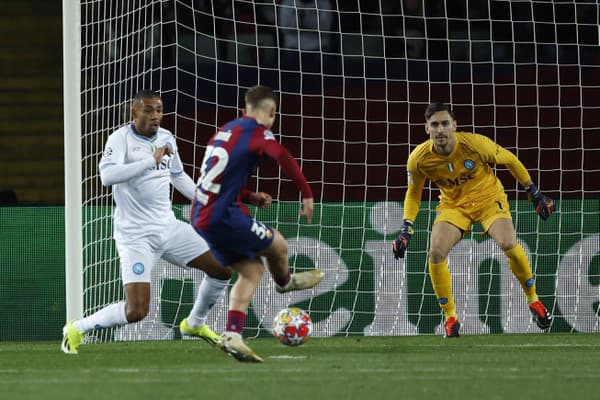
x,y
459,164
219,215
140,161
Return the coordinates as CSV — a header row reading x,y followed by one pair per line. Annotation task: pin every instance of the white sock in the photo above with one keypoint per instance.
x,y
111,315
208,293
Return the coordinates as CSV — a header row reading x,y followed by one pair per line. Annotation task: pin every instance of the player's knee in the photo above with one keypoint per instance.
x,y
279,247
136,312
249,271
282,244
437,255
507,244
255,275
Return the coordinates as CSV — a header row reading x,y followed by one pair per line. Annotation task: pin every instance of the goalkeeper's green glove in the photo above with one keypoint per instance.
x,y
544,205
401,242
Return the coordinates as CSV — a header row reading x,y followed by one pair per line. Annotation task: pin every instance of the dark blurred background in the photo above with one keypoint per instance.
x,y
31,140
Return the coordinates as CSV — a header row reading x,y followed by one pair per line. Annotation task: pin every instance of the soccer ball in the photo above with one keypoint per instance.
x,y
292,326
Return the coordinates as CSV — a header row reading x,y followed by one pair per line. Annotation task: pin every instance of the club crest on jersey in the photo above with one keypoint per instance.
x,y
138,268
108,152
469,164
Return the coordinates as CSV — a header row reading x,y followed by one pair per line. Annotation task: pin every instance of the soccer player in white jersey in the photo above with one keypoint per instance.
x,y
140,161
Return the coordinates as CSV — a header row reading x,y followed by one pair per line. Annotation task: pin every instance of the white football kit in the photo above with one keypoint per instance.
x,y
145,227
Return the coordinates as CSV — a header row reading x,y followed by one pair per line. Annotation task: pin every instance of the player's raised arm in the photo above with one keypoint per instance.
x,y
291,169
412,203
180,179
544,205
112,167
262,106
289,166
307,209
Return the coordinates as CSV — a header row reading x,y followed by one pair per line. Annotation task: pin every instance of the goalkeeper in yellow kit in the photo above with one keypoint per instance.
x,y
459,164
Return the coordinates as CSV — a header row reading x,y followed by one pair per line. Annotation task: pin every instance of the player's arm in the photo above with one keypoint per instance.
x,y
180,179
412,203
544,205
112,166
289,166
265,143
184,184
412,198
292,170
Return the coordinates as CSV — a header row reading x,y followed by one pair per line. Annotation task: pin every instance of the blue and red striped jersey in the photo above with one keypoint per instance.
x,y
231,156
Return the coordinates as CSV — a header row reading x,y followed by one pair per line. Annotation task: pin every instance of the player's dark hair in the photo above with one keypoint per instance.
x,y
257,94
144,94
437,107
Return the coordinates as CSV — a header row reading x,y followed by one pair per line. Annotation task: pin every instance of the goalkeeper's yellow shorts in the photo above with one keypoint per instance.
x,y
485,212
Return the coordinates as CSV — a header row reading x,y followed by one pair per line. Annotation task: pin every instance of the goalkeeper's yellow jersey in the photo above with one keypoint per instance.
x,y
464,176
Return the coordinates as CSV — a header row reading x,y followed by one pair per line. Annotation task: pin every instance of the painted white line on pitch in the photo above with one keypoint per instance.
x,y
267,379
132,370
287,357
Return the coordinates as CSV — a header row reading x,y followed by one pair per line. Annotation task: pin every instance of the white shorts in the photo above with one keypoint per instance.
x,y
178,245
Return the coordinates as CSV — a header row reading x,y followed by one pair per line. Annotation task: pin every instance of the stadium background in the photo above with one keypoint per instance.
x,y
32,253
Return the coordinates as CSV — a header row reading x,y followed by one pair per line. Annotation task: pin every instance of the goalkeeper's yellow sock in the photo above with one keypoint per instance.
x,y
519,265
442,286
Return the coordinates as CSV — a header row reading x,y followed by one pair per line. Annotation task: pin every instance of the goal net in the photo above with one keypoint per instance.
x,y
354,78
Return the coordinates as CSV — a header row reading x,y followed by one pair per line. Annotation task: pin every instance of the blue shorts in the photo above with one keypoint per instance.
x,y
237,237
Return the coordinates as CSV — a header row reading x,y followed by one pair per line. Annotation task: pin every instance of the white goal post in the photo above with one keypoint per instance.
x,y
354,78
72,112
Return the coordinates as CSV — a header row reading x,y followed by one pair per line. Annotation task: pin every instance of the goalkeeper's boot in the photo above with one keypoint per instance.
x,y
540,314
72,338
302,280
451,327
203,332
233,344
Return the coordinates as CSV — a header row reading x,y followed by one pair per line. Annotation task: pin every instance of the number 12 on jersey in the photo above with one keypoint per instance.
x,y
214,163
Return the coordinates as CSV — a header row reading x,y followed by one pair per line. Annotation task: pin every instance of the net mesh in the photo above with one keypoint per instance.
x,y
354,79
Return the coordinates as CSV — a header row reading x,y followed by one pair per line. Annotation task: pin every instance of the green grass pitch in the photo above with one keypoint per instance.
x,y
530,366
